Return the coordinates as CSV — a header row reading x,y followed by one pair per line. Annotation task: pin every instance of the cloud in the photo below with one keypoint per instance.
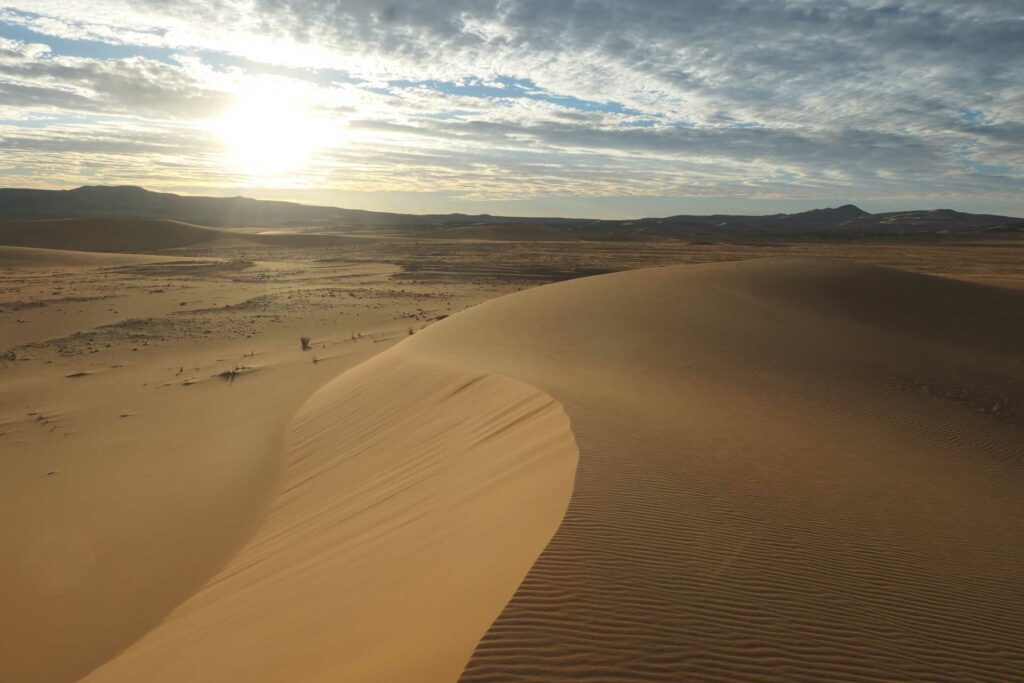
x,y
768,97
31,75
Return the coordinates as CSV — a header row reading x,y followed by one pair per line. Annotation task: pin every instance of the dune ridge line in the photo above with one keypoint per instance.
x,y
767,455
416,496
790,469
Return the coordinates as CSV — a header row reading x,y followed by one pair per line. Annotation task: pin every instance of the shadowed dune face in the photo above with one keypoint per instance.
x,y
788,470
105,234
102,234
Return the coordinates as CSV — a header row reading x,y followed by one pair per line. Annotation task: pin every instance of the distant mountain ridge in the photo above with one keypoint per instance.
x,y
131,202
128,201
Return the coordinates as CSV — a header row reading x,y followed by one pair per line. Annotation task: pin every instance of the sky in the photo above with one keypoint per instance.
x,y
593,108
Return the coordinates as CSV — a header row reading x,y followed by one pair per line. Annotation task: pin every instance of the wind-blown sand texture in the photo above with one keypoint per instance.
x,y
788,470
144,409
782,469
416,498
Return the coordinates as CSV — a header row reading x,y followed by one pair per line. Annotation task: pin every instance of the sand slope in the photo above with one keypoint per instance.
x,y
29,257
155,485
143,415
416,497
105,234
788,470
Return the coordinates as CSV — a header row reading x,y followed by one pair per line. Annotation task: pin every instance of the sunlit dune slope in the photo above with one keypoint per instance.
x,y
415,498
788,470
29,257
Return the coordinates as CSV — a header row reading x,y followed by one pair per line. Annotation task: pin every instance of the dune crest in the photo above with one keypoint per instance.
x,y
416,497
30,256
789,469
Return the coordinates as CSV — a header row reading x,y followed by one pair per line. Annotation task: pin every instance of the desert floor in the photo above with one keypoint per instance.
x,y
764,462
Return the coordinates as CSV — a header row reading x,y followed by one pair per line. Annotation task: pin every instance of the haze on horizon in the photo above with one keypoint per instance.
x,y
598,108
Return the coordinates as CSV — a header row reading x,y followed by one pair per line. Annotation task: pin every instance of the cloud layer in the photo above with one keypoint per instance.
x,y
895,103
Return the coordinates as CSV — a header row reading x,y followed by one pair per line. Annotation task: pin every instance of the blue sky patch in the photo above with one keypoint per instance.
x,y
81,48
974,118
507,87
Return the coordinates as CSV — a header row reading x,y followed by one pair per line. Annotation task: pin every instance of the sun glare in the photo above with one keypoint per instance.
x,y
270,137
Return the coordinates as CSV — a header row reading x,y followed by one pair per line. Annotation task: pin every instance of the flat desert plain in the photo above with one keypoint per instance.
x,y
269,458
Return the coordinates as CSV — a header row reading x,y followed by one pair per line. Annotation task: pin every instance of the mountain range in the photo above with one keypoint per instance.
x,y
130,202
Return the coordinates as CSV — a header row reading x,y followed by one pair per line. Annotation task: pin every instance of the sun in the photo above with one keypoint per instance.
x,y
268,136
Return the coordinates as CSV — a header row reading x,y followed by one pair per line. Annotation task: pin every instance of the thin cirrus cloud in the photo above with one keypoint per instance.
x,y
534,106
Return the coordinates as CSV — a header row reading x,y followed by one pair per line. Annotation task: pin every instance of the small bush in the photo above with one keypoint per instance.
x,y
305,343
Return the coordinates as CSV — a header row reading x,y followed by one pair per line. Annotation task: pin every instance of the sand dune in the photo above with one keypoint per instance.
x,y
29,256
101,234
105,234
143,414
788,470
157,481
416,497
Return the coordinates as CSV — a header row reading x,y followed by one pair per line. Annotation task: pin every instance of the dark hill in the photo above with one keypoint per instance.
x,y
129,202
